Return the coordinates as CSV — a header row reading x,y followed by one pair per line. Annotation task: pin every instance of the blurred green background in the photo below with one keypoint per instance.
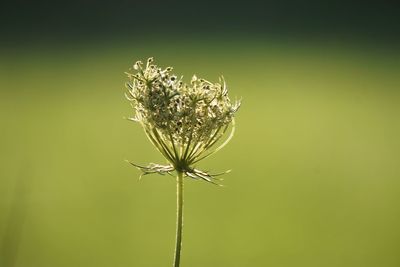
x,y
315,158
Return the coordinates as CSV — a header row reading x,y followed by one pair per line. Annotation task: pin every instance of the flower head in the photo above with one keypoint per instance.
x,y
183,121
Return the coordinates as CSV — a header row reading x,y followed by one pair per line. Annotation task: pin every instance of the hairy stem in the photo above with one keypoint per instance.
x,y
179,218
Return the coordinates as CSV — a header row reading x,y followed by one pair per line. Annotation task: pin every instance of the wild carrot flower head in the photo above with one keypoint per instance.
x,y
183,121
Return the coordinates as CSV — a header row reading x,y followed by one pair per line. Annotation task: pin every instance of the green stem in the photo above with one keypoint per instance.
x,y
179,218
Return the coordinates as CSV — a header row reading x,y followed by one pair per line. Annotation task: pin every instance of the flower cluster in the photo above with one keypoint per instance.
x,y
183,121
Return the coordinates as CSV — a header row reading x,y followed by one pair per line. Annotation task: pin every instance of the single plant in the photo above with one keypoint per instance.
x,y
183,121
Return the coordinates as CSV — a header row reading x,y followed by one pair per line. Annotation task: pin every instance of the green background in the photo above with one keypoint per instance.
x,y
315,158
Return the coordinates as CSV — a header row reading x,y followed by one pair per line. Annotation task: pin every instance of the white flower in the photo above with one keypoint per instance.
x,y
183,121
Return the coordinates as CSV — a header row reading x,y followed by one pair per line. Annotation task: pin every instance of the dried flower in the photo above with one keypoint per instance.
x,y
183,121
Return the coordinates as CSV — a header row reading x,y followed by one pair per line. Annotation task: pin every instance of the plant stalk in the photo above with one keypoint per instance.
x,y
179,218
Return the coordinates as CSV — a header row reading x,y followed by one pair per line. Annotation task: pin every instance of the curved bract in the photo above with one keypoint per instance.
x,y
183,121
